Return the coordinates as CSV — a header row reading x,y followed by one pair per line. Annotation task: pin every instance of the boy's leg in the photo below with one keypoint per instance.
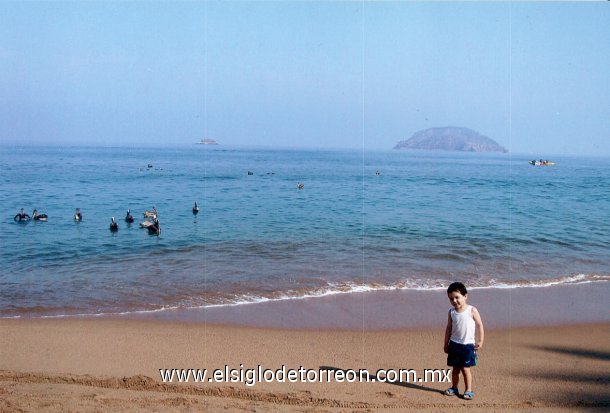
x,y
467,378
455,377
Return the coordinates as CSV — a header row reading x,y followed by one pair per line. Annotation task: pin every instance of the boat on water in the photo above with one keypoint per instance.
x,y
207,142
541,163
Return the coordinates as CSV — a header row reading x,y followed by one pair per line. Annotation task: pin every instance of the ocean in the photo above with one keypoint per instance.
x,y
424,220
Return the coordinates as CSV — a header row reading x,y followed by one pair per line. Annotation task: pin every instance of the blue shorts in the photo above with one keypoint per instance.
x,y
461,355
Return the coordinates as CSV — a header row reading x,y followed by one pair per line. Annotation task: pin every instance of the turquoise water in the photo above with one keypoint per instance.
x,y
426,220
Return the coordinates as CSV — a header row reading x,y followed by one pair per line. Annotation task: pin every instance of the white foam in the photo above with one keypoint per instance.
x,y
351,288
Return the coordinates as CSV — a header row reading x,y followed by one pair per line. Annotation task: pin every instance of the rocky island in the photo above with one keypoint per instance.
x,y
451,139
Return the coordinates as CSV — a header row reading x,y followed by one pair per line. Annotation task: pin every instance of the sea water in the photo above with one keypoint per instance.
x,y
364,220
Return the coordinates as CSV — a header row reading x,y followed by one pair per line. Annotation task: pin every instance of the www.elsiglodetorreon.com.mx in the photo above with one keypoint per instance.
x,y
252,376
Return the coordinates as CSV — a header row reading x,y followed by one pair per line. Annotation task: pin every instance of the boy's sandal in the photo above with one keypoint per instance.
x,y
451,391
468,395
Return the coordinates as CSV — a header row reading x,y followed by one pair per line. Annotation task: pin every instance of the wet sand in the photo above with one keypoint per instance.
x,y
73,364
400,309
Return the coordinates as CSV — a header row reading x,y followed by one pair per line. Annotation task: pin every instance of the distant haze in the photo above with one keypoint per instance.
x,y
532,76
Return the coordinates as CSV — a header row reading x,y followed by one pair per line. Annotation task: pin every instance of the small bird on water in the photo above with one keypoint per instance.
x,y
114,227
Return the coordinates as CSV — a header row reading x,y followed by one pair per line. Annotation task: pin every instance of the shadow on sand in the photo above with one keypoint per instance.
x,y
571,351
589,398
362,376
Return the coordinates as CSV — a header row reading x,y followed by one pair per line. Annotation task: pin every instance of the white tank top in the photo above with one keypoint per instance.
x,y
462,326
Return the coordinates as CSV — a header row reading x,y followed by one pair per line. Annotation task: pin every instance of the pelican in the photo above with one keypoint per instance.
x,y
37,217
151,213
22,216
154,228
114,227
129,218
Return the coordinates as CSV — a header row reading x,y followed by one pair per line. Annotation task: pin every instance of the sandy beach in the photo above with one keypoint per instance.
x,y
79,364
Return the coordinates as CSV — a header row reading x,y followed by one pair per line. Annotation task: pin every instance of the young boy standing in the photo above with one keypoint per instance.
x,y
461,345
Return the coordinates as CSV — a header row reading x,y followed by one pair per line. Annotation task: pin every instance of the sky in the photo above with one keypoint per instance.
x,y
533,76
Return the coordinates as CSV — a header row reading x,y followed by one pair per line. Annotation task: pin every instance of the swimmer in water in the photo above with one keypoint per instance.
x,y
77,215
195,209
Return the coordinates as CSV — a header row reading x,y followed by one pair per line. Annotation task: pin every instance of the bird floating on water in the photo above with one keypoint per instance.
x,y
39,217
22,216
114,227
152,213
155,227
129,218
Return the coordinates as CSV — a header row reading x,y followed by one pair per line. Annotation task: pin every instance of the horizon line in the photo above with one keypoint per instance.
x,y
220,146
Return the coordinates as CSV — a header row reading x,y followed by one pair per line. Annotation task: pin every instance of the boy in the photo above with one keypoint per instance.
x,y
460,341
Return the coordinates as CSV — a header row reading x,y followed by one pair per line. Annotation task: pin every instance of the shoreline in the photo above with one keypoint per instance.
x,y
409,309
385,310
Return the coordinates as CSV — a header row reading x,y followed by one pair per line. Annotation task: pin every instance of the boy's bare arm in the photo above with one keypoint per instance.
x,y
448,332
480,329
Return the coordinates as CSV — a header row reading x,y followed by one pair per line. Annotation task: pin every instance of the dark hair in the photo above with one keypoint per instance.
x,y
461,288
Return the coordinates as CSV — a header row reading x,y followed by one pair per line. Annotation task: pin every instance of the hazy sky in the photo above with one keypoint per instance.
x,y
535,77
